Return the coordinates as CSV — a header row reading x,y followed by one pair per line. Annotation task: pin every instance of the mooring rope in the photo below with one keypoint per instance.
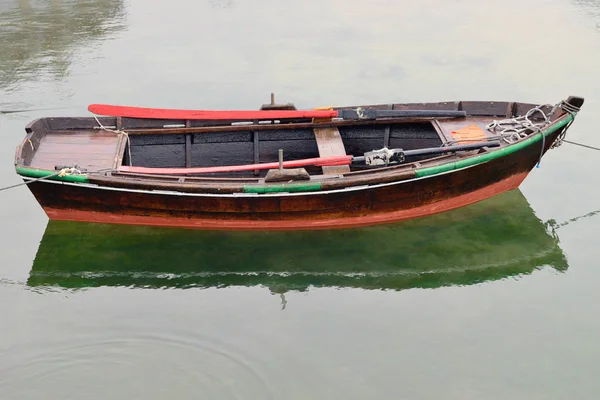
x,y
64,171
581,144
552,225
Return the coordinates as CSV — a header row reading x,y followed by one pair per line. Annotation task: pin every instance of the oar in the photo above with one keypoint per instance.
x,y
397,155
351,114
384,156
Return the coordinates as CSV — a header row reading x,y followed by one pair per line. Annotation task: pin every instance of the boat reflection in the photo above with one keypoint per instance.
x,y
490,240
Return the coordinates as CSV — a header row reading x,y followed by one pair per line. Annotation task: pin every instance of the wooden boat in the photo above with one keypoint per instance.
x,y
491,240
279,168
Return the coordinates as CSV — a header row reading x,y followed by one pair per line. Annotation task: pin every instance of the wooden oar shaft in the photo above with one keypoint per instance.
x,y
318,162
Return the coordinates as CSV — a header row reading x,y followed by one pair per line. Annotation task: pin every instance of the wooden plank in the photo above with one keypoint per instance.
x,y
442,106
449,126
282,126
120,153
256,152
330,144
78,122
440,132
188,146
386,136
485,108
91,150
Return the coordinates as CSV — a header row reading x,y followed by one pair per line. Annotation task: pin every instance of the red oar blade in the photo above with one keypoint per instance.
x,y
163,113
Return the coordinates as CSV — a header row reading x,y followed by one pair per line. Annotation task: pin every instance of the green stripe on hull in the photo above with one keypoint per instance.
x,y
298,187
43,173
494,154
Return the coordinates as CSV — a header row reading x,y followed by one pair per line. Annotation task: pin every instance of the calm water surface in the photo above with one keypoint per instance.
x,y
493,301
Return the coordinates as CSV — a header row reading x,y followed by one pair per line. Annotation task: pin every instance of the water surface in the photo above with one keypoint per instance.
x,y
493,301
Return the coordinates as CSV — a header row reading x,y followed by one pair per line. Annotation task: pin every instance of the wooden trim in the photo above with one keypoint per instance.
x,y
120,153
386,136
509,109
181,179
330,143
256,151
188,146
439,130
265,127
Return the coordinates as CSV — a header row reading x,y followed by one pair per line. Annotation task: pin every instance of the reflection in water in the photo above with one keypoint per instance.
x,y
40,37
491,240
221,3
590,7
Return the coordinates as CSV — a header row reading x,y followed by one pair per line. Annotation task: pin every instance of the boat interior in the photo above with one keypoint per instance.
x,y
109,143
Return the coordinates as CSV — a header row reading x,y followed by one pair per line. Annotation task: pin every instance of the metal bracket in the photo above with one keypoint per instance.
x,y
383,156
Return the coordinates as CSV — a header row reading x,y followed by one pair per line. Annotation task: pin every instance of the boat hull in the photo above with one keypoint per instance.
x,y
349,208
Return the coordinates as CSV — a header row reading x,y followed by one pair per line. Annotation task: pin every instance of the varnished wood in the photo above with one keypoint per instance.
x,y
89,150
362,195
437,190
330,144
268,127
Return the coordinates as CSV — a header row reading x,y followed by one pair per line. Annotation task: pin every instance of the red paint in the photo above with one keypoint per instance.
x,y
163,113
213,224
319,162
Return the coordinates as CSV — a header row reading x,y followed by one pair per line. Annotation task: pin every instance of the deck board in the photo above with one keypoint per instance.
x,y
448,126
329,142
91,150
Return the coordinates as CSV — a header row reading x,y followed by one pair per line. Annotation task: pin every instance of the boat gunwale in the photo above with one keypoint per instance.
x,y
226,181
477,159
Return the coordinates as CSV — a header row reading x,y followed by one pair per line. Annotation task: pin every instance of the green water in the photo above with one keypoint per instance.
x,y
493,301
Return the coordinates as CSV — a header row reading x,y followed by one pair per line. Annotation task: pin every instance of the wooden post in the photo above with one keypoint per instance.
x,y
256,151
188,146
280,159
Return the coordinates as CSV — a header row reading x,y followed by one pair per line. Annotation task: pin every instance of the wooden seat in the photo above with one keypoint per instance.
x,y
330,144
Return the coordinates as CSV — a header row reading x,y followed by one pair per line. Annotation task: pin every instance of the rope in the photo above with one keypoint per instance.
x,y
581,144
28,182
517,128
514,129
64,171
553,225
118,132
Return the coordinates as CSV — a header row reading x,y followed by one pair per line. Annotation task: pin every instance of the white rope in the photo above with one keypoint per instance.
x,y
117,132
514,129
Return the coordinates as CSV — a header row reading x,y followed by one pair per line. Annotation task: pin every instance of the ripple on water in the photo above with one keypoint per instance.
x,y
135,366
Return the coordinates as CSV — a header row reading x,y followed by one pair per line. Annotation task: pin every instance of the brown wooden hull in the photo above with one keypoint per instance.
x,y
287,224
371,205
